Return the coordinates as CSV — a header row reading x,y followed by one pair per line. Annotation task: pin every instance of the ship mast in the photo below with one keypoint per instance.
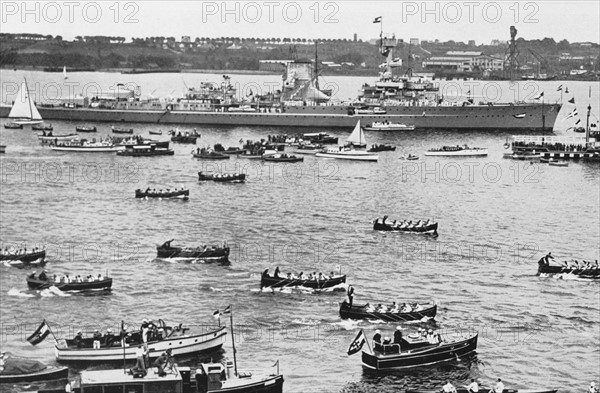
x,y
316,65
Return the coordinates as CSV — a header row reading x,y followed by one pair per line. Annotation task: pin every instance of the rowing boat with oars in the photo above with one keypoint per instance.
x,y
276,281
359,311
37,283
206,253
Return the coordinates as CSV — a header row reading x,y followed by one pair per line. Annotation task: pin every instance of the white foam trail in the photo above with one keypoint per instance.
x,y
52,291
15,292
347,324
14,264
215,289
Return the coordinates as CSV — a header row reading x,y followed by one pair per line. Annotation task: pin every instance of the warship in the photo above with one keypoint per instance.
x,y
408,99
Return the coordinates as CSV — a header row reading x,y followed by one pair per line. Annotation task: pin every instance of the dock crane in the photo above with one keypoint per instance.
x,y
542,62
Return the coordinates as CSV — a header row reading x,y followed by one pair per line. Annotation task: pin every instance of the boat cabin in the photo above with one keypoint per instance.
x,y
117,381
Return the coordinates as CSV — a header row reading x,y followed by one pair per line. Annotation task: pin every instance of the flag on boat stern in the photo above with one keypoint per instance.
x,y
358,343
572,114
40,334
559,88
540,96
377,20
216,314
572,100
227,310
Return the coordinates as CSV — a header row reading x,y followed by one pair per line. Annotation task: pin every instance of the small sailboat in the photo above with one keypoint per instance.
x,y
357,138
24,111
65,73
348,152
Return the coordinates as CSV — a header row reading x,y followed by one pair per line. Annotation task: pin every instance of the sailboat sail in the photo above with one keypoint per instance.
x,y
23,108
65,72
357,137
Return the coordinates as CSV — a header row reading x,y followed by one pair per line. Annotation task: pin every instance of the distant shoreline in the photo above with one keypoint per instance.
x,y
356,73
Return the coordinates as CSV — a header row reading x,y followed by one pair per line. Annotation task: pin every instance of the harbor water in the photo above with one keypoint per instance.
x,y
497,218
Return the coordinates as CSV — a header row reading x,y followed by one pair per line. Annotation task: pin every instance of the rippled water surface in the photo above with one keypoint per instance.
x,y
497,217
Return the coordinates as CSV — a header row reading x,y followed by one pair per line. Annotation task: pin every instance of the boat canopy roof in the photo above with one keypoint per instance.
x,y
109,377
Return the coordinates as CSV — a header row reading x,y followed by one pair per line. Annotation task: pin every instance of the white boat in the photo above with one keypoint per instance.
x,y
65,77
458,151
87,147
56,138
357,138
179,344
347,154
23,111
387,126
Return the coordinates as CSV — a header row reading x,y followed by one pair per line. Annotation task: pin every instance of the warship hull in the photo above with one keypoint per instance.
x,y
529,117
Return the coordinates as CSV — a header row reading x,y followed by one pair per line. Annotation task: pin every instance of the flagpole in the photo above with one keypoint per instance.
x,y
123,335
233,340
367,340
56,340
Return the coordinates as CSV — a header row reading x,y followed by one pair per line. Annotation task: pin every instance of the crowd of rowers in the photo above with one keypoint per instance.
x,y
21,251
405,224
66,279
393,308
301,276
161,192
149,331
572,264
387,345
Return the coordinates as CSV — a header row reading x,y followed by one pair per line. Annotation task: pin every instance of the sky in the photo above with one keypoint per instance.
x,y
481,21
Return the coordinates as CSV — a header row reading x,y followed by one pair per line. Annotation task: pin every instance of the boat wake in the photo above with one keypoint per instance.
x,y
52,291
301,289
20,264
566,276
17,293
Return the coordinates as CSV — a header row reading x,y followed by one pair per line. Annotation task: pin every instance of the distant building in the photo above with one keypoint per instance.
x,y
414,41
278,66
498,42
463,62
355,37
472,43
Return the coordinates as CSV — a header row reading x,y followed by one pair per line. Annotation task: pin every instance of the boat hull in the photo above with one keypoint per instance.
x,y
105,284
353,157
487,389
209,255
185,194
180,345
31,257
145,152
424,230
537,117
227,178
459,153
57,138
51,373
86,149
432,354
267,281
358,312
407,128
593,273
268,385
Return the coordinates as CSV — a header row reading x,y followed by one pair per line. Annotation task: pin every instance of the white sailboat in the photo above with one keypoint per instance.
x,y
347,152
24,111
357,138
65,73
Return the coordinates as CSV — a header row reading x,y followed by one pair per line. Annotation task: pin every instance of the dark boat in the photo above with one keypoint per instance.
x,y
2,149
26,370
223,178
416,352
230,150
378,148
85,129
178,137
410,227
488,389
42,127
118,130
177,194
267,281
36,283
410,157
28,257
13,126
282,158
144,150
358,311
209,155
320,137
206,253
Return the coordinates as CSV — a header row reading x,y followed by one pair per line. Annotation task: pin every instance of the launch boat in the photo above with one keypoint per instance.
x,y
175,338
419,227
17,370
49,138
222,178
43,283
175,194
415,351
387,126
487,389
25,257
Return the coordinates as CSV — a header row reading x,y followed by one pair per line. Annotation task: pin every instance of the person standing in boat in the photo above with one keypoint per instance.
x,y
398,338
140,354
545,260
377,340
350,295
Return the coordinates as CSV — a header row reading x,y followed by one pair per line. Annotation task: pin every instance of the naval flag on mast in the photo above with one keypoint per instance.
x,y
40,334
377,20
540,96
358,343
